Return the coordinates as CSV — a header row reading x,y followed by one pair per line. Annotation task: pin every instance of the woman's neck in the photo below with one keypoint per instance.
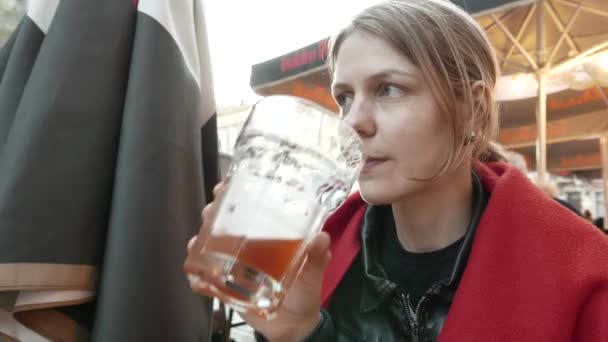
x,y
439,216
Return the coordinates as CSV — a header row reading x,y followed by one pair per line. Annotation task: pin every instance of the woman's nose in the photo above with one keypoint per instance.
x,y
360,117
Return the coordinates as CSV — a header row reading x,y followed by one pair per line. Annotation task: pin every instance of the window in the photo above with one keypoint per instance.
x,y
574,198
600,209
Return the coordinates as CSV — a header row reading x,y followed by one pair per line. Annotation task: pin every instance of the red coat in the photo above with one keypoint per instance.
x,y
536,271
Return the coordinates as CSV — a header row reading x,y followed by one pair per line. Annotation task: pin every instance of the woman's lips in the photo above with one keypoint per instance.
x,y
371,163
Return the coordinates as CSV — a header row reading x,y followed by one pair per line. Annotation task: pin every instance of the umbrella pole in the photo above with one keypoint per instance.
x,y
541,110
541,125
604,152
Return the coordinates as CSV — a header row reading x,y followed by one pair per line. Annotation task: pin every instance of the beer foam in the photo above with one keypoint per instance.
x,y
257,207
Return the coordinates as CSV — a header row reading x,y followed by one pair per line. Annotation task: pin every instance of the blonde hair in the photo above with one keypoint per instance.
x,y
454,52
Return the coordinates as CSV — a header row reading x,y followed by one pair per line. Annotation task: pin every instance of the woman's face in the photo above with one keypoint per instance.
x,y
385,98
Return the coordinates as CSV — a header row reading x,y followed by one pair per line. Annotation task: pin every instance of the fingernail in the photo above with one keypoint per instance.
x,y
194,280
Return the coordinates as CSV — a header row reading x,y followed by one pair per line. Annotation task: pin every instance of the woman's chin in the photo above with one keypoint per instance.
x,y
383,192
375,195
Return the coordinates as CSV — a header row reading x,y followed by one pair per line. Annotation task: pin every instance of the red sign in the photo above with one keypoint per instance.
x,y
305,57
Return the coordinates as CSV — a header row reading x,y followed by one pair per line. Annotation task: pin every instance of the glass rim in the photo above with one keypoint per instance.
x,y
325,111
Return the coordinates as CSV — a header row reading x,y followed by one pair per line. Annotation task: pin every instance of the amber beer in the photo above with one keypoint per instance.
x,y
255,262
270,256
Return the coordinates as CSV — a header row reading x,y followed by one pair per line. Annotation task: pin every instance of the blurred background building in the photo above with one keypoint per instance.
x,y
230,121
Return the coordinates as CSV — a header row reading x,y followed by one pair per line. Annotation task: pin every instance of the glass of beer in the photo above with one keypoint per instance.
x,y
294,163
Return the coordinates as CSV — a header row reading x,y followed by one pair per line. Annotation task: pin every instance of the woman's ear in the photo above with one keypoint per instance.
x,y
481,102
481,95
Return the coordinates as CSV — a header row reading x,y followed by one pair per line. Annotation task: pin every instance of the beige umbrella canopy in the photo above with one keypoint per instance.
x,y
559,47
561,44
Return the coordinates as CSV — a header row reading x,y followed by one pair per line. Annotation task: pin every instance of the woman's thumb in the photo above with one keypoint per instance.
x,y
318,252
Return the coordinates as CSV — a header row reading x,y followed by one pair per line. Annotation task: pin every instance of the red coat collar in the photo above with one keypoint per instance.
x,y
532,263
343,227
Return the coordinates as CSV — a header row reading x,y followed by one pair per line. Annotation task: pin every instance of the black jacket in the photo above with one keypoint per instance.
x,y
368,307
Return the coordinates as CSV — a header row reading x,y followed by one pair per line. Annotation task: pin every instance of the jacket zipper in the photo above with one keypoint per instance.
x,y
414,324
404,299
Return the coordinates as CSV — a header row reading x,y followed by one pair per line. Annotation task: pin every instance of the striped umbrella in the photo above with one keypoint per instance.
x,y
108,151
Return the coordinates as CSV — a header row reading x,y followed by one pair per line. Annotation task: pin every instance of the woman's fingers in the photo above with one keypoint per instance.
x,y
210,210
208,217
317,259
191,242
219,189
318,251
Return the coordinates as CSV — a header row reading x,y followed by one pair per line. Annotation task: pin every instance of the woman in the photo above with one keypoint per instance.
x,y
440,243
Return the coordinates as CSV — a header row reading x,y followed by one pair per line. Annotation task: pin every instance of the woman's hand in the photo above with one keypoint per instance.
x,y
299,313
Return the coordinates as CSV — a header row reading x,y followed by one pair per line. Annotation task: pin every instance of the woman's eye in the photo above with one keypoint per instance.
x,y
344,100
389,90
